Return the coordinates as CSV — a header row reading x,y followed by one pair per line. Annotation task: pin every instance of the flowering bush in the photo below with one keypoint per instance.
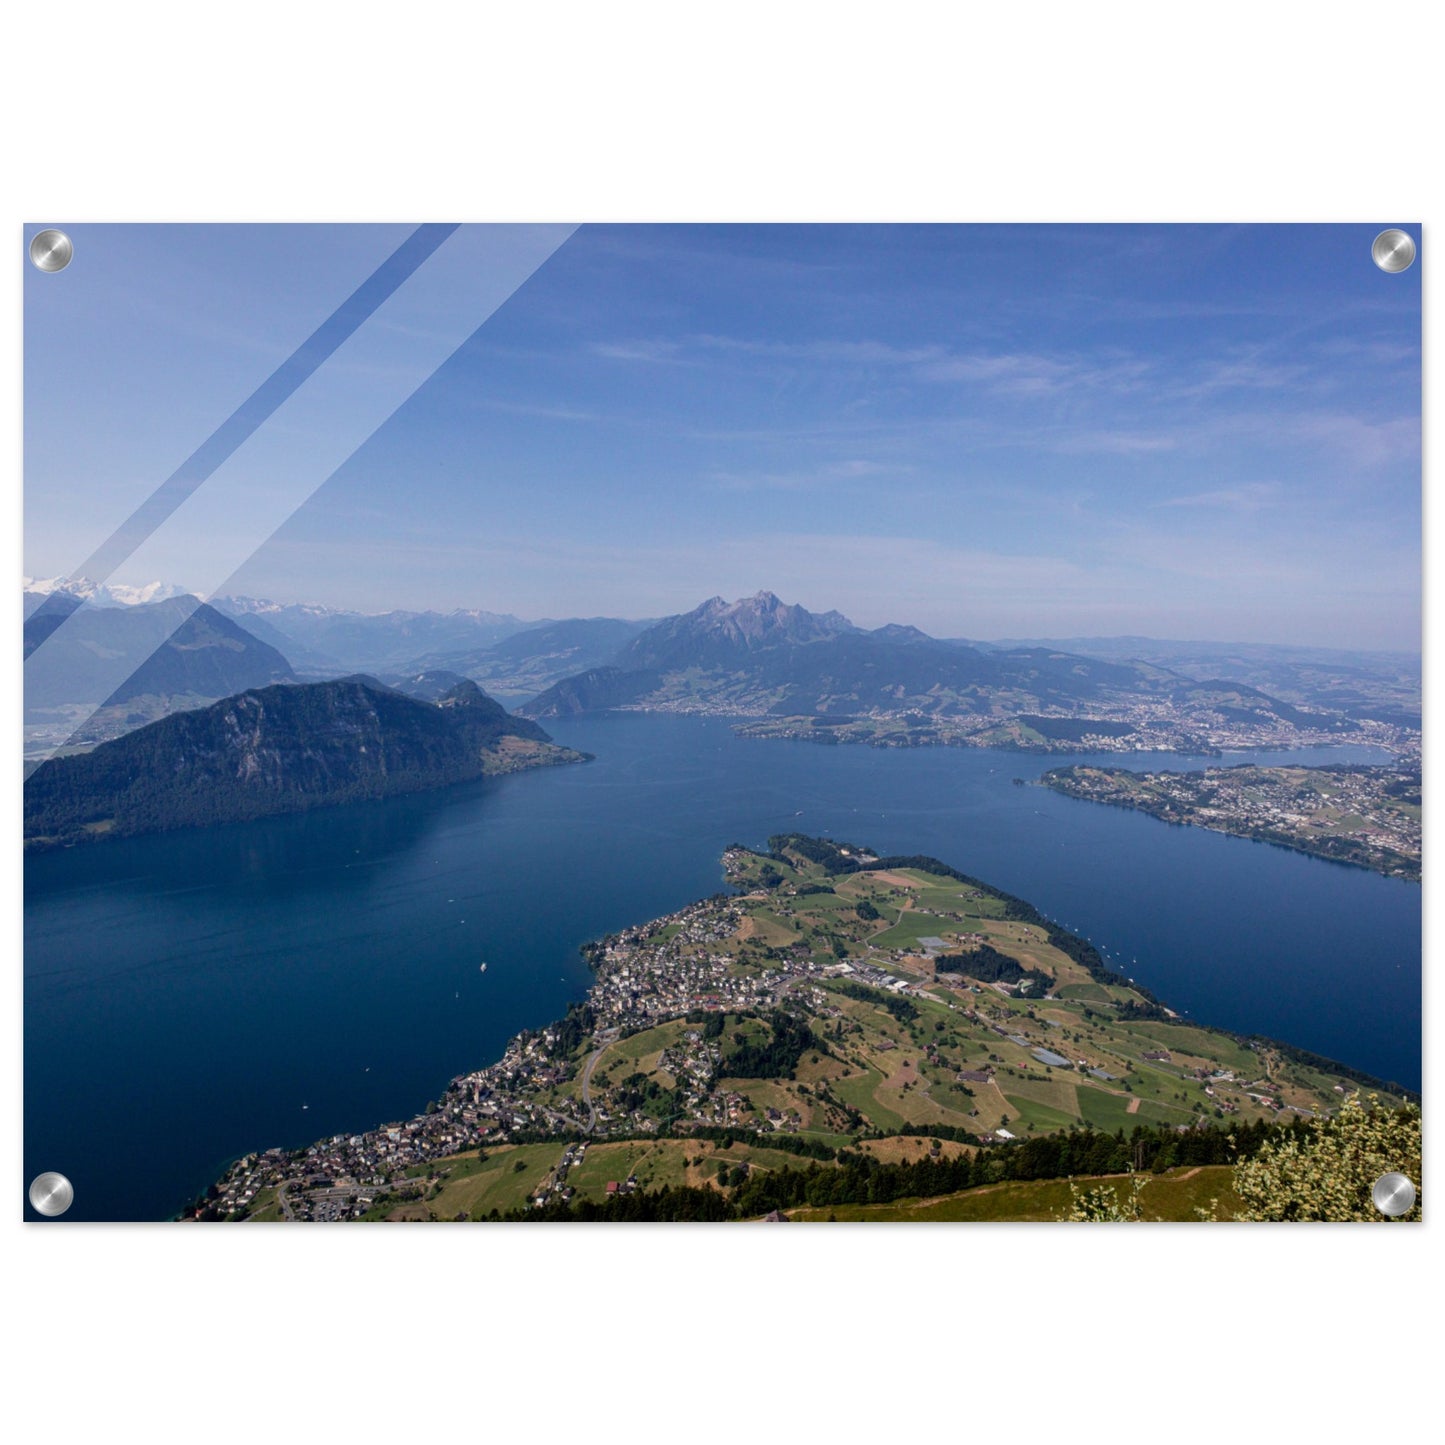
x,y
1329,1174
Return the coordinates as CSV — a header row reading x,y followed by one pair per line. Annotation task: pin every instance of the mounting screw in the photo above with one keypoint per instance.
x,y
1394,1195
1393,250
51,250
53,1194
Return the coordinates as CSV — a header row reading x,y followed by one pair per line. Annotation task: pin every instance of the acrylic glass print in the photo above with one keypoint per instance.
x,y
722,723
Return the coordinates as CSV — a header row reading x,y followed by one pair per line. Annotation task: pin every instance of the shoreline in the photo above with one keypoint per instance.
x,y
1137,791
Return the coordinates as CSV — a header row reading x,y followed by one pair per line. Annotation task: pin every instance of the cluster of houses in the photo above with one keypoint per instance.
x,y
338,1177
669,968
1162,723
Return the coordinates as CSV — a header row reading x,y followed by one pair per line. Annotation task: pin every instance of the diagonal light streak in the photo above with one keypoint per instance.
x,y
253,483
263,403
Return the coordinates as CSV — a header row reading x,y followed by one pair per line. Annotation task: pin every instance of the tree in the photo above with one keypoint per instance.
x,y
1102,1205
1329,1173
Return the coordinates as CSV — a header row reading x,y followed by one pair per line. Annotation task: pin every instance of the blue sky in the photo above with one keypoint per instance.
x,y
1196,432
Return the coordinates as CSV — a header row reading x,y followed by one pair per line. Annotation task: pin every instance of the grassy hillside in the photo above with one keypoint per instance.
x,y
1171,1197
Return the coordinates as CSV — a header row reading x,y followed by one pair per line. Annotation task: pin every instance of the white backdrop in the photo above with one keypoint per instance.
x,y
576,112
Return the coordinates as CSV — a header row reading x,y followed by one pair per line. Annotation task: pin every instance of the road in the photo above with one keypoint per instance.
x,y
587,1069
604,1038
281,1199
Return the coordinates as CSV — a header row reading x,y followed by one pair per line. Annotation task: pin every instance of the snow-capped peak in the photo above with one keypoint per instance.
x,y
112,594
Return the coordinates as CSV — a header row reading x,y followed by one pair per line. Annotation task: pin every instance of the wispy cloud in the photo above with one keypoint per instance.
x,y
1247,497
548,413
1108,442
830,474
1356,439
843,351
1030,374
1018,373
1241,373
654,351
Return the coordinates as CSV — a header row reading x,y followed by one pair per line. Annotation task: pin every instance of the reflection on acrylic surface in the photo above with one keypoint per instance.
x,y
696,723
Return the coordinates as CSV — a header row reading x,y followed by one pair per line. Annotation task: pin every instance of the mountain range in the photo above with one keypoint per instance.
x,y
319,639
530,661
512,659
761,657
809,674
129,655
114,594
93,655
1380,686
279,749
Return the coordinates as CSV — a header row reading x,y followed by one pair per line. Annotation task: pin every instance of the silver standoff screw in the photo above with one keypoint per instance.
x,y
51,250
1394,1195
51,1194
1393,251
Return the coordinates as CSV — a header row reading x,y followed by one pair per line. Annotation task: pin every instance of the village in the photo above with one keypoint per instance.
x,y
671,968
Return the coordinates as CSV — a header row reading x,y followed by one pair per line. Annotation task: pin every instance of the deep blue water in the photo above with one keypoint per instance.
x,y
194,996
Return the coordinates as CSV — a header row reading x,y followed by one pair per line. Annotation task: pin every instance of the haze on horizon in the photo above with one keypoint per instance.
x,y
1195,433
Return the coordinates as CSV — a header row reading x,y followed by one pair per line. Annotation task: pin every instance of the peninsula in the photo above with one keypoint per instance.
x,y
1366,816
837,1027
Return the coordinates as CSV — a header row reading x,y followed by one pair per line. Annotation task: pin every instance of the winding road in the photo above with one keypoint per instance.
x,y
587,1069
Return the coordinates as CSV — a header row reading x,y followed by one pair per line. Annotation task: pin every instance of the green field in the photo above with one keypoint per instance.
x,y
911,926
1110,1112
1044,1117
1173,1196
1201,1043
858,1093
1089,992
627,1054
476,1187
822,903
656,1163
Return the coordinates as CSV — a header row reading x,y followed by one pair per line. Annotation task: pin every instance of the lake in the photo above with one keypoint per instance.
x,y
194,996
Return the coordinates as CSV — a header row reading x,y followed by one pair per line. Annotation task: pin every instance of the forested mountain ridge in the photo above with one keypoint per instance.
x,y
277,750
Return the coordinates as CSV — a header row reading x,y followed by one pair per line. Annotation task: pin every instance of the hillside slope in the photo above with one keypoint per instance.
x,y
277,750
